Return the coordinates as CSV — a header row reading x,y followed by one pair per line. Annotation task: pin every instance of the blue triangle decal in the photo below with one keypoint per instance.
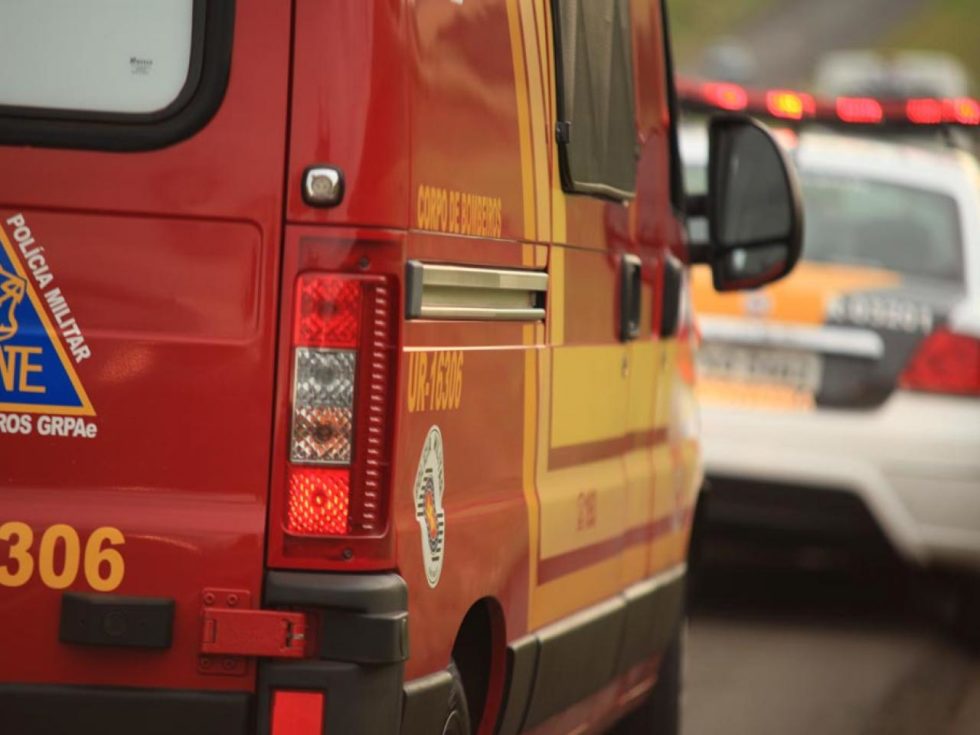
x,y
36,374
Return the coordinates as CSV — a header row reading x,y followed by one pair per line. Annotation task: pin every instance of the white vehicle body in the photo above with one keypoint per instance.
x,y
911,457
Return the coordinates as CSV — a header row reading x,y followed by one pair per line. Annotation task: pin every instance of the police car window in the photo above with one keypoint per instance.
x,y
105,56
910,230
597,124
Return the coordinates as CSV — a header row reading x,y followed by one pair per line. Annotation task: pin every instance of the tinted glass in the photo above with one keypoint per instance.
x,y
596,89
872,223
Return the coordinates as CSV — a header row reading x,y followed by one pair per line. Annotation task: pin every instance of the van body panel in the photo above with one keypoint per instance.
x,y
168,262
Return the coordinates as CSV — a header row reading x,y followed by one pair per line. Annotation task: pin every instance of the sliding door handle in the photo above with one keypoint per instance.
x,y
630,290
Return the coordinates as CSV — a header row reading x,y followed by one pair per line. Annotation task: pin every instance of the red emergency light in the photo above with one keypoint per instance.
x,y
787,104
726,96
863,110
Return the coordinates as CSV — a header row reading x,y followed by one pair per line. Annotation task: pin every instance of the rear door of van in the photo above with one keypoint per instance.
x,y
142,154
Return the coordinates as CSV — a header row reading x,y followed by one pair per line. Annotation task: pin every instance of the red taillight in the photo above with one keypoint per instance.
x,y
338,445
724,95
328,311
945,363
319,501
297,713
859,110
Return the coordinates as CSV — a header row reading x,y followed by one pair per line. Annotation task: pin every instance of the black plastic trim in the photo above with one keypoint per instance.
x,y
56,710
522,659
653,613
198,101
363,635
110,620
564,663
630,296
671,298
586,644
413,289
363,617
425,706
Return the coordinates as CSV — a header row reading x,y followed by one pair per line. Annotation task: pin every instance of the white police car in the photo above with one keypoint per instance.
x,y
846,398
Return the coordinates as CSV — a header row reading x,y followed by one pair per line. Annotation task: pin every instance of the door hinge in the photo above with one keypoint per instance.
x,y
232,631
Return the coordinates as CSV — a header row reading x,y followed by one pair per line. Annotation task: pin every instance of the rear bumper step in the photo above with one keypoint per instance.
x,y
362,645
55,710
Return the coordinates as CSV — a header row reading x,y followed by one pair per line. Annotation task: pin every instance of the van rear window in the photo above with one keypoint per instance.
x,y
112,74
114,56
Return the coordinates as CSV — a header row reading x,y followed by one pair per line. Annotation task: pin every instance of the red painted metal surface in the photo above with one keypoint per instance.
x,y
170,261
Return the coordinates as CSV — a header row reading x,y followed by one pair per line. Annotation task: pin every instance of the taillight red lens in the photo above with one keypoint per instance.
x,y
319,501
328,311
945,363
297,713
859,110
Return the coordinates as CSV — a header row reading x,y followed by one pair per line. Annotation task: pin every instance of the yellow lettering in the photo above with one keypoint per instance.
x,y
26,368
7,364
101,557
20,537
46,556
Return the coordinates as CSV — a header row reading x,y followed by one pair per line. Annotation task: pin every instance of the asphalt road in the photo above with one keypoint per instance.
x,y
777,653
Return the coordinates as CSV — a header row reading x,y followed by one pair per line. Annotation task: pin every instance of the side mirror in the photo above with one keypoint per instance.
x,y
753,206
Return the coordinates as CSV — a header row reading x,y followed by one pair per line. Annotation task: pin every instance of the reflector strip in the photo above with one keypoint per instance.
x,y
297,713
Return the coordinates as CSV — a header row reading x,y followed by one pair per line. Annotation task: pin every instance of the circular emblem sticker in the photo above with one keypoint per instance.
x,y
429,487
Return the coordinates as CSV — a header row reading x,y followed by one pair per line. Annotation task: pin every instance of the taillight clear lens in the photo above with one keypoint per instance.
x,y
323,406
945,363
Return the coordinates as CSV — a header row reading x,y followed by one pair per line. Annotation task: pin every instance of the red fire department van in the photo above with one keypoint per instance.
x,y
344,369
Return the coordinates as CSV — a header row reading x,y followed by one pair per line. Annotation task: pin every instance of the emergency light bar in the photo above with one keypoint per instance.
x,y
786,104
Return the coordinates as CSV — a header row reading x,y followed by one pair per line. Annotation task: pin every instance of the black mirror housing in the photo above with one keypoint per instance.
x,y
753,206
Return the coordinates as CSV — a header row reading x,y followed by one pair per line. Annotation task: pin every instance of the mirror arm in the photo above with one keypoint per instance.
x,y
696,205
699,252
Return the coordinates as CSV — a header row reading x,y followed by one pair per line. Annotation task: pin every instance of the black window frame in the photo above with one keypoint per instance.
x,y
563,127
204,89
678,196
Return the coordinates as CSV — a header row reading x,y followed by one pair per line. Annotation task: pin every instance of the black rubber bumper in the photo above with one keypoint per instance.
x,y
362,647
55,710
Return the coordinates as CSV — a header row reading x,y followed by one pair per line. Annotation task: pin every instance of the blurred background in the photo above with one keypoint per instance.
x,y
784,42
839,589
